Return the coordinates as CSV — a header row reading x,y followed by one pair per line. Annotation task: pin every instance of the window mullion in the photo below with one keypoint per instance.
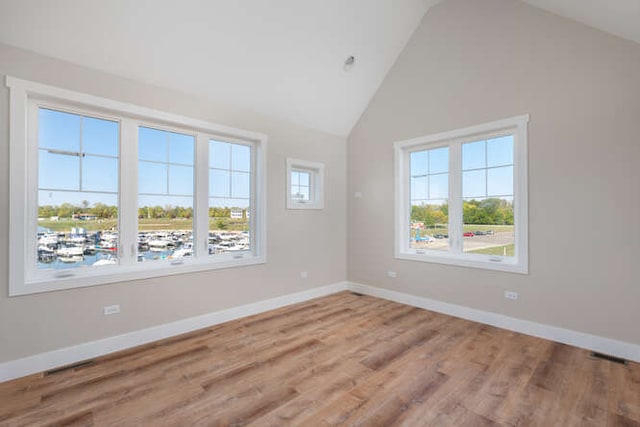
x,y
201,194
455,198
128,212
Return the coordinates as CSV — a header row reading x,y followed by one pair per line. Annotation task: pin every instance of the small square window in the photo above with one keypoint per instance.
x,y
305,184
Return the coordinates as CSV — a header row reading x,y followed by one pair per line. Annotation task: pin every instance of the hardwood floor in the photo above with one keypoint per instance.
x,y
338,360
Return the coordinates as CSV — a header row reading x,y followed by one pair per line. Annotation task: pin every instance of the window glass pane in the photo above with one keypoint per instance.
x,y
305,178
473,155
295,178
165,220
500,181
180,180
429,228
488,209
219,183
230,195
419,164
77,215
439,160
419,188
152,178
474,183
152,144
219,155
241,157
240,185
99,174
100,136
58,130
500,151
181,148
58,171
439,186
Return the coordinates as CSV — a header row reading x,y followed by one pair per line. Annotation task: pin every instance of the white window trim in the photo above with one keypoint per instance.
x,y
23,191
316,184
516,126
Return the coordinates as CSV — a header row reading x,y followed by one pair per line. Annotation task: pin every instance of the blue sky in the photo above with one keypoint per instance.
x,y
165,166
487,171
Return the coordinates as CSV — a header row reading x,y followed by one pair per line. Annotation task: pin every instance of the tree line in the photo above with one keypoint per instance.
x,y
481,212
102,211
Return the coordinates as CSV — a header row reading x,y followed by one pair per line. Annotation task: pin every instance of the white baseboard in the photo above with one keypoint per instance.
x,y
596,343
66,356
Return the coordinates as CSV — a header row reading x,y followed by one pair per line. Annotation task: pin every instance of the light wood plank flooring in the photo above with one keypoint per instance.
x,y
339,360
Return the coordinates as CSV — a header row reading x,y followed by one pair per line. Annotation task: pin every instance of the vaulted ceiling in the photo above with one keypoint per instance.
x,y
282,58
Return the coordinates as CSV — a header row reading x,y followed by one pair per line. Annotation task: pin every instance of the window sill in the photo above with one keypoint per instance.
x,y
128,273
303,205
468,260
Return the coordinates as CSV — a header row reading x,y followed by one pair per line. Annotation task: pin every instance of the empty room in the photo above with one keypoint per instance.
x,y
314,213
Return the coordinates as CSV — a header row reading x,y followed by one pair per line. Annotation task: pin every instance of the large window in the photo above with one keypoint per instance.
x,y
462,197
103,191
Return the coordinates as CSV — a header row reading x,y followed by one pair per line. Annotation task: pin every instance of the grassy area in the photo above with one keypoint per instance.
x,y
497,250
144,224
444,229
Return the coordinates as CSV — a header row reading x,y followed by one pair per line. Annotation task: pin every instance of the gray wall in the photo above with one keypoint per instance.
x,y
472,62
312,241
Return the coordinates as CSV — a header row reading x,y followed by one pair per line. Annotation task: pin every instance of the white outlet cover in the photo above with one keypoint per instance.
x,y
111,309
392,273
512,295
304,274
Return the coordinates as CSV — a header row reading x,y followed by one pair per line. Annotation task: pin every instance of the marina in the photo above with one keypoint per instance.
x,y
60,250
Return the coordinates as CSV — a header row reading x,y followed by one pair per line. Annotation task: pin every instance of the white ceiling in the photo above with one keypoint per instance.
x,y
619,17
282,58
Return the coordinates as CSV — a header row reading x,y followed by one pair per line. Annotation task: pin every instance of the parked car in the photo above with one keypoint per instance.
x,y
468,234
439,236
489,232
479,233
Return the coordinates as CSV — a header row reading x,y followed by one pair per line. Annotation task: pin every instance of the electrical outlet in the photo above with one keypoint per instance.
x,y
111,309
513,295
358,194
392,274
304,274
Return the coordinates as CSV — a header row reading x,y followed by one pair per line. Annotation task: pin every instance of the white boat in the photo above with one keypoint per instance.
x,y
160,243
49,239
71,251
70,259
77,239
185,251
105,261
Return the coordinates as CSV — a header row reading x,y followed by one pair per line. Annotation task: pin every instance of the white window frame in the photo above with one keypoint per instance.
x,y
23,142
316,184
519,263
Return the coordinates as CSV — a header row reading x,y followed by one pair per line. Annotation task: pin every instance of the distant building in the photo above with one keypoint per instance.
x,y
236,213
85,217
